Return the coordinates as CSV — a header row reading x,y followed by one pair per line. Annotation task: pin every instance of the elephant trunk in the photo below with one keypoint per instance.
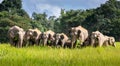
x,y
21,36
114,45
20,42
45,42
56,42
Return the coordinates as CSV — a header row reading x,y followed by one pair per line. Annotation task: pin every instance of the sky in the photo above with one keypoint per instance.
x,y
53,7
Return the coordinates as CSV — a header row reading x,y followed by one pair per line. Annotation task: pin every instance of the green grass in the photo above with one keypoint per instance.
x,y
46,56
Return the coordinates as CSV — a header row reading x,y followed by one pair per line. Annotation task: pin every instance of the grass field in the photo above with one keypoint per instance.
x,y
46,56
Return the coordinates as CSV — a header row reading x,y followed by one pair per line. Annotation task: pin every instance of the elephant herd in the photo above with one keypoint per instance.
x,y
20,38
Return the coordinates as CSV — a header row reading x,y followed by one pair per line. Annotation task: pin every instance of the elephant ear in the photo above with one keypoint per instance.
x,y
54,35
35,33
49,36
62,37
78,33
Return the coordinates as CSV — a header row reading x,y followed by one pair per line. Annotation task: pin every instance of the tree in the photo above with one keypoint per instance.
x,y
10,5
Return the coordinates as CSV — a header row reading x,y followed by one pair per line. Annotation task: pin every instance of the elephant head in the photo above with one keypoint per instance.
x,y
78,33
33,36
57,38
48,37
111,41
44,38
95,38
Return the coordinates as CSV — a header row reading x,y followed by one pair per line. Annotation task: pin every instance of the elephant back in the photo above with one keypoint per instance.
x,y
64,36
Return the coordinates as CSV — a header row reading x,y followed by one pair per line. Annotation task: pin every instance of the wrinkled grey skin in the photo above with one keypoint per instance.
x,y
16,36
47,36
110,41
44,38
98,39
61,38
78,33
57,39
33,36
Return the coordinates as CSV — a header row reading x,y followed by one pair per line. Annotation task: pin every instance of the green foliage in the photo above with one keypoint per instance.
x,y
9,5
105,19
47,56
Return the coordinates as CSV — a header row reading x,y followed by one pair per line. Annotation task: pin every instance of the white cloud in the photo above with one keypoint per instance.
x,y
53,7
49,9
1,1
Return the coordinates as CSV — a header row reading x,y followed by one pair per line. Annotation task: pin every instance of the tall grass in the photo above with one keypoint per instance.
x,y
46,56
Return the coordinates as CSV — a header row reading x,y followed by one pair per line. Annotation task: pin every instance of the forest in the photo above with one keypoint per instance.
x,y
105,18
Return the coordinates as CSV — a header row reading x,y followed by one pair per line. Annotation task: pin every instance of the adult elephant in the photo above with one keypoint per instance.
x,y
60,39
16,36
78,33
33,36
98,39
47,37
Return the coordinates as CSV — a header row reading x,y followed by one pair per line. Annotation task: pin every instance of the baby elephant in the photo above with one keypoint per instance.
x,y
60,39
110,41
47,37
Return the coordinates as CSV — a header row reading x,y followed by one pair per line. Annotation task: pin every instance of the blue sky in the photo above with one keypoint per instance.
x,y
53,7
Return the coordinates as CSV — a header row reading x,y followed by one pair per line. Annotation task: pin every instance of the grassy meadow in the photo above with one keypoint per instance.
x,y
47,56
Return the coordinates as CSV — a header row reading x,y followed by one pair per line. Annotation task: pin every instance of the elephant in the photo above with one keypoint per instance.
x,y
33,36
48,37
78,33
98,39
16,36
57,39
110,41
60,39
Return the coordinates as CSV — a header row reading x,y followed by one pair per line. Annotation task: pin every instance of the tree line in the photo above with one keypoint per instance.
x,y
105,18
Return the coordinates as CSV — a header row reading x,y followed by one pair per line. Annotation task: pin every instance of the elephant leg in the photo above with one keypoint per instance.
x,y
63,44
72,45
106,43
24,43
92,42
114,45
21,42
11,42
45,42
36,42
100,43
